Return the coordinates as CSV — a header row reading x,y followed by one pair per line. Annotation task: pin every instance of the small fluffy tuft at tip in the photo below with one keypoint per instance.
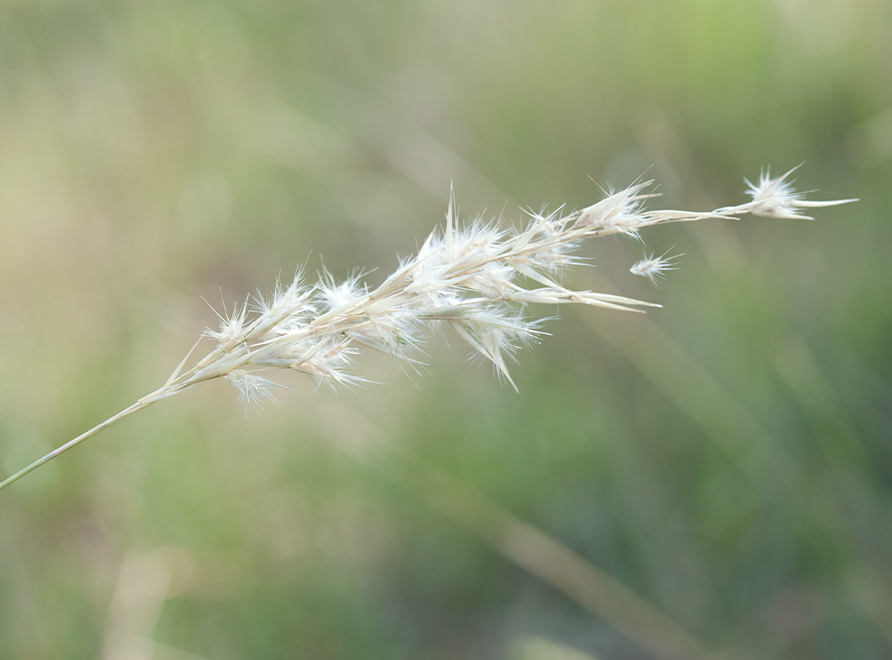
x,y
777,198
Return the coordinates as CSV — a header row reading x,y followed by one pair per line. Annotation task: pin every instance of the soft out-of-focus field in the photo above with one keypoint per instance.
x,y
727,459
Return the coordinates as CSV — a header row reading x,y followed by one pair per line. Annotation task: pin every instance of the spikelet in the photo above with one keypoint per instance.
x,y
654,268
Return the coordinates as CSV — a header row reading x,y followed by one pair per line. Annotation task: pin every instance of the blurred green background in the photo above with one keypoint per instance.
x,y
726,459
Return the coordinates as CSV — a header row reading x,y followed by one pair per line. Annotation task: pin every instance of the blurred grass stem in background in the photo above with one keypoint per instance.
x,y
516,540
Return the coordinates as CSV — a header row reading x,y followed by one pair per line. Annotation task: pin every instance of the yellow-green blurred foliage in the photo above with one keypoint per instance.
x,y
727,458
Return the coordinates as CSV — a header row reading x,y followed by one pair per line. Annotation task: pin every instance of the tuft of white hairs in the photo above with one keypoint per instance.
x,y
654,268
777,198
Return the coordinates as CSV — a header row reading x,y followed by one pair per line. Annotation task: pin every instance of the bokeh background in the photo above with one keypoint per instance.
x,y
712,476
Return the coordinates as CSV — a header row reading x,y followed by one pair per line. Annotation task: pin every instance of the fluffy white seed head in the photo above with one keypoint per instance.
x,y
477,277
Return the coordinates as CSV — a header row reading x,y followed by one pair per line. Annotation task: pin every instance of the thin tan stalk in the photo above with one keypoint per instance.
x,y
139,405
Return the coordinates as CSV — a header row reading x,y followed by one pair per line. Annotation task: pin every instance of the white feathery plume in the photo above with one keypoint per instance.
x,y
480,278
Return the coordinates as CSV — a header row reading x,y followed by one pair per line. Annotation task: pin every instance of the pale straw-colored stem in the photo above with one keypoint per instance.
x,y
145,402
